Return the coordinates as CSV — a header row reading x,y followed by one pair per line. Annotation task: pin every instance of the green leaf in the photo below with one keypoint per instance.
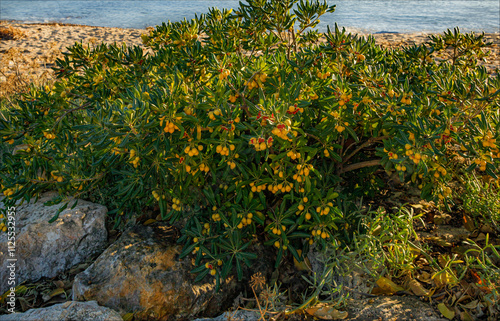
x,y
352,133
201,276
239,270
187,250
56,216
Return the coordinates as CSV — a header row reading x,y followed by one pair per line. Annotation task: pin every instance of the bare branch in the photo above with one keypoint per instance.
x,y
353,167
369,142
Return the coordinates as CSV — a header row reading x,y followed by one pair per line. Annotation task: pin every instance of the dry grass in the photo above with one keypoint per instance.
x,y
19,70
11,33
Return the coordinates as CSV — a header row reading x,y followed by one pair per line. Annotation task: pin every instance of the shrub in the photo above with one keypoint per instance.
x,y
245,128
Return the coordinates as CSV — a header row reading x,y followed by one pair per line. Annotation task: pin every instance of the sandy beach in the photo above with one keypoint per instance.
x,y
29,50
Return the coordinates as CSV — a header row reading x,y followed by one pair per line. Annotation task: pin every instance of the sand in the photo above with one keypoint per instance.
x,y
32,55
32,52
392,40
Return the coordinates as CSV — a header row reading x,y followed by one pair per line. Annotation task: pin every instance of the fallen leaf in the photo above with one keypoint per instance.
x,y
487,229
480,237
424,277
388,286
439,241
441,219
56,292
443,278
468,223
445,311
150,221
465,316
417,288
128,317
59,283
470,305
305,265
327,313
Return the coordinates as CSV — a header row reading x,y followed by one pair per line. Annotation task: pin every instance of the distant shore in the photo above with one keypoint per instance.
x,y
40,44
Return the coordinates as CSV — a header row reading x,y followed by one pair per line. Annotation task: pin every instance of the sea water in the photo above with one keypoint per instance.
x,y
361,15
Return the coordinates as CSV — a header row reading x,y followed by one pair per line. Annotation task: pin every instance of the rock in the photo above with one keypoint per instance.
x,y
141,273
240,315
317,260
447,233
356,283
44,249
67,311
391,308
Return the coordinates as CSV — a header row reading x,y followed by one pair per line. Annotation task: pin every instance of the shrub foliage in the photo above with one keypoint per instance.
x,y
250,125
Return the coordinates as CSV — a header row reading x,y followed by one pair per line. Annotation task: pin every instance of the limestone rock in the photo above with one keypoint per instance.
x,y
44,249
141,273
67,311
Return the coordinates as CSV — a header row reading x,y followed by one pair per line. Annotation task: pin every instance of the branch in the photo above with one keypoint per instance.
x,y
84,106
311,135
243,105
294,40
352,167
370,141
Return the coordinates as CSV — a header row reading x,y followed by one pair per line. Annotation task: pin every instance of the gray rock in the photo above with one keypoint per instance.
x,y
239,315
317,260
44,249
67,311
356,283
391,308
141,273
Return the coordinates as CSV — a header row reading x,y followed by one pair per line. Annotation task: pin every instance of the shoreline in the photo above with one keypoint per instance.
x,y
35,46
354,30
